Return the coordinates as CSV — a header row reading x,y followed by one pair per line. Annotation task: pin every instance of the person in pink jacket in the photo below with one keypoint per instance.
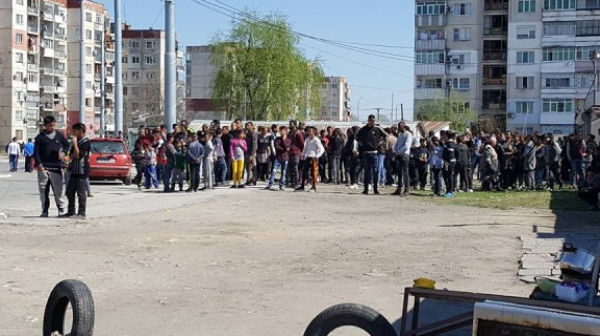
x,y
238,149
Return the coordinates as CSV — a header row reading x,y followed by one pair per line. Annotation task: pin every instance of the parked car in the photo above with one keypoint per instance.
x,y
110,160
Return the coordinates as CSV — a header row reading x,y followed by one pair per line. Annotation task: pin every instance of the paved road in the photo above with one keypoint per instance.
x,y
20,201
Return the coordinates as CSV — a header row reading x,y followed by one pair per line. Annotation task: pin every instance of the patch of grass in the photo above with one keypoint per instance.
x,y
555,201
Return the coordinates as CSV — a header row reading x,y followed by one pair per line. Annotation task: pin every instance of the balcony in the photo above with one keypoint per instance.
x,y
97,77
47,71
495,31
493,5
592,102
33,86
48,88
430,69
31,10
60,54
430,44
33,29
428,93
431,20
32,67
494,55
60,36
557,118
495,81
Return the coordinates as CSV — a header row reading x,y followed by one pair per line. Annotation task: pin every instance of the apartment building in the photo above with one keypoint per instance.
x,y
200,74
144,76
335,99
97,39
521,64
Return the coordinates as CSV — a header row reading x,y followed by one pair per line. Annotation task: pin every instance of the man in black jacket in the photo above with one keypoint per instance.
x,y
463,162
449,157
370,137
50,148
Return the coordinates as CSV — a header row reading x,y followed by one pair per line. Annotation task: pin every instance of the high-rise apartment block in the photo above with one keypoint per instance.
x,y
335,99
39,68
520,64
144,76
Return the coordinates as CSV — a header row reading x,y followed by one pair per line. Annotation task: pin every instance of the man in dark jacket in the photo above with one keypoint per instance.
x,y
449,157
194,157
282,146
251,163
297,140
370,137
50,149
463,163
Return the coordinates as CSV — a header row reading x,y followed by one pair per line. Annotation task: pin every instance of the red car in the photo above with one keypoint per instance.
x,y
110,160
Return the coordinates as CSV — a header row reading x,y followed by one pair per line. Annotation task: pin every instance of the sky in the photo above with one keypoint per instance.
x,y
373,79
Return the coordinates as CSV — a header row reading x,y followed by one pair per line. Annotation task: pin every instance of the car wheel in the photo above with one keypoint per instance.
x,y
127,180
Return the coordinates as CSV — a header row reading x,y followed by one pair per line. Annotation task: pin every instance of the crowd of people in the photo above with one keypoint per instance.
x,y
300,156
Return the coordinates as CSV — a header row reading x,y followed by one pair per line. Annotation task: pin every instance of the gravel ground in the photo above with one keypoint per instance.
x,y
253,262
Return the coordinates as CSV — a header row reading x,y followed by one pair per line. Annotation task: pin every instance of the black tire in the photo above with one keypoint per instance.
x,y
349,314
79,296
127,180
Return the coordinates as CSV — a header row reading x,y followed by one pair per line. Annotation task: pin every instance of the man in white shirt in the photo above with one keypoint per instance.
x,y
402,149
14,152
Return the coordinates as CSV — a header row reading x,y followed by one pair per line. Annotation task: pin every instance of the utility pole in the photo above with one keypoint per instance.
x,y
358,108
392,108
401,112
170,66
378,109
103,89
82,64
118,70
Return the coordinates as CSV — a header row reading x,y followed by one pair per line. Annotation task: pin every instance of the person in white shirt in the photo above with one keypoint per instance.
x,y
313,150
402,149
14,152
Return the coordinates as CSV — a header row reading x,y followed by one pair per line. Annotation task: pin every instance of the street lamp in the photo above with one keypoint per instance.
x,y
401,111
594,57
358,108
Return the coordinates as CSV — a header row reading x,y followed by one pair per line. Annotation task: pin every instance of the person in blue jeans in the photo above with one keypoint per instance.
x,y
371,138
14,152
28,152
150,168
282,146
221,164
575,150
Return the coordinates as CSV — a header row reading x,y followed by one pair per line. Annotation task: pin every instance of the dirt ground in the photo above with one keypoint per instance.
x,y
256,262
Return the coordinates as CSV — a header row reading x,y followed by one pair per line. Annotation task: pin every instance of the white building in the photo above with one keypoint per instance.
x,y
144,75
335,103
200,74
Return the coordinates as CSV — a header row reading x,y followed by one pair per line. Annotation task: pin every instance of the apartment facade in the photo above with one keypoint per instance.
x,y
97,37
335,99
200,74
521,65
144,76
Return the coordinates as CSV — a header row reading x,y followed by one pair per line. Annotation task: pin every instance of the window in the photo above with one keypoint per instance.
x,y
524,107
48,44
458,59
334,86
323,86
557,105
88,85
525,32
98,18
431,8
524,82
431,83
526,6
559,28
135,44
125,91
135,106
430,57
124,78
462,34
135,59
19,57
19,19
588,28
19,38
19,115
461,9
20,2
592,4
32,78
560,4
135,90
150,44
554,54
88,34
18,76
88,102
135,75
557,82
88,51
150,60
583,53
461,83
88,17
150,75
125,59
88,69
525,57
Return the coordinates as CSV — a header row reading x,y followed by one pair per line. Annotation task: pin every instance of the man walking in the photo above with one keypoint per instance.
x,y
28,152
371,137
79,170
402,149
14,152
50,147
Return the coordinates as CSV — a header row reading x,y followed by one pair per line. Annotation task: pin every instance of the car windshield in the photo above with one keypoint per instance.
x,y
107,147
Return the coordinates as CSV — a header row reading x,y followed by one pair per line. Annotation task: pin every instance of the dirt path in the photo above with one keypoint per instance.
x,y
257,263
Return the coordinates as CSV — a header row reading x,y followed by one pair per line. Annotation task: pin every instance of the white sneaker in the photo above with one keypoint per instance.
x,y
471,191
354,186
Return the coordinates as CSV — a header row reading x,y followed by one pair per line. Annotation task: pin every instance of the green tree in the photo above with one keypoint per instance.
x,y
452,109
262,74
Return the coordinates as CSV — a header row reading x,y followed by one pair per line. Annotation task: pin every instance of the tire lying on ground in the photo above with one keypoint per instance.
x,y
80,297
349,314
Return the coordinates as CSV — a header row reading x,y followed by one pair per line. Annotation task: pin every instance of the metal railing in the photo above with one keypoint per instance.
x,y
33,10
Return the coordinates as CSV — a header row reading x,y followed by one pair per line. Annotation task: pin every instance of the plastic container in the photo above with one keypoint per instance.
x,y
571,292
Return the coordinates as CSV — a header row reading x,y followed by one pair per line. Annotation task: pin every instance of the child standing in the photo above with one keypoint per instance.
x,y
79,169
209,161
178,166
238,149
150,167
139,159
